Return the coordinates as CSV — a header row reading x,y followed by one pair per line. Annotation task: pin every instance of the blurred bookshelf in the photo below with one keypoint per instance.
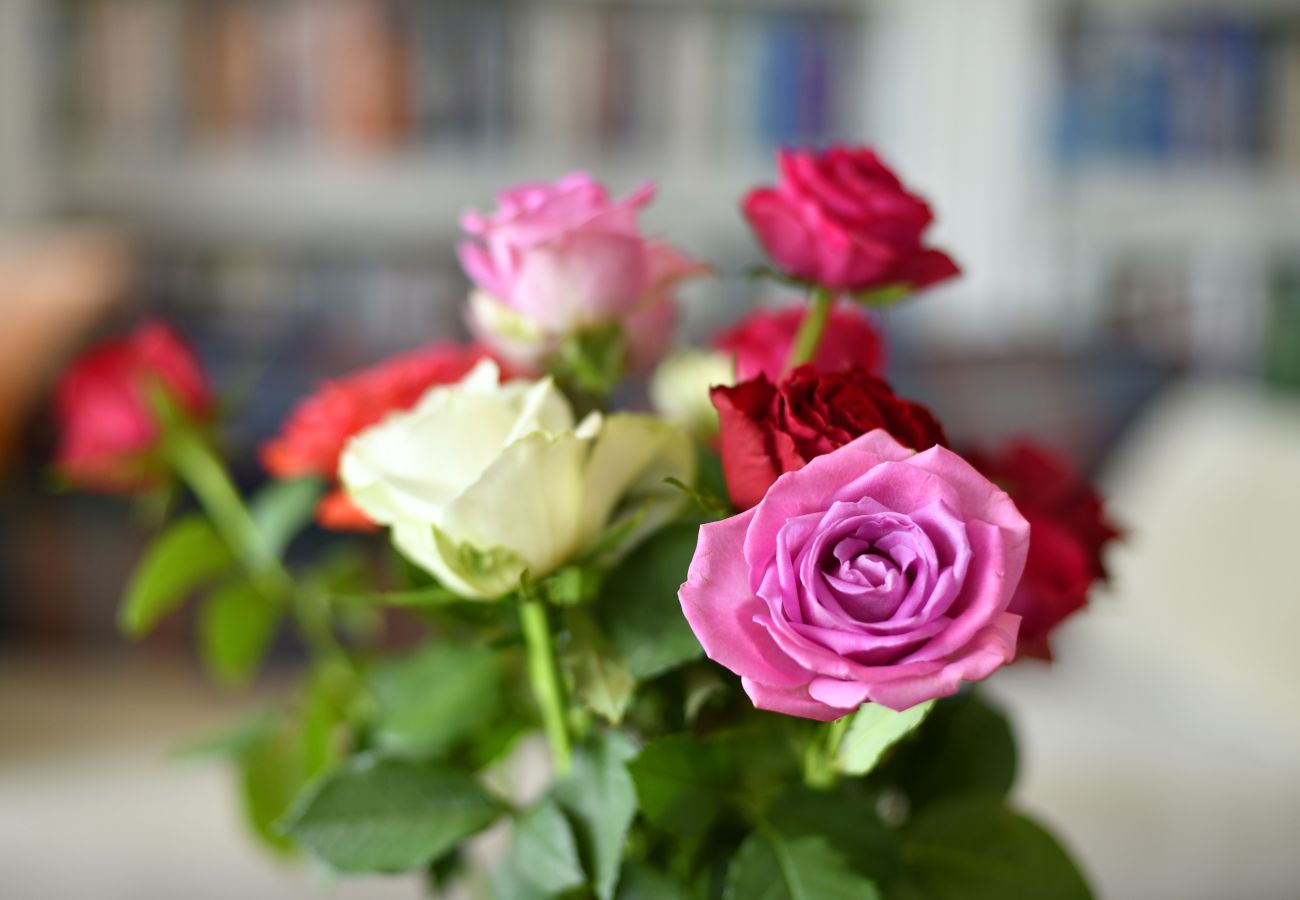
x,y
383,118
1119,179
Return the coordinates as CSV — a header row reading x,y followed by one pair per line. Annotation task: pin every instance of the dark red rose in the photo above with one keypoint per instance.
x,y
107,426
842,219
315,433
769,429
1069,530
762,340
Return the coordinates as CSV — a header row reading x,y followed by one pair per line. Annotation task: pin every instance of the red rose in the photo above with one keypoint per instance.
x,y
769,429
106,422
1068,532
315,433
842,219
762,340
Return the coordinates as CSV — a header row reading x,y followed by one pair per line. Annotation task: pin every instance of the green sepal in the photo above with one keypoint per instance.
x,y
872,731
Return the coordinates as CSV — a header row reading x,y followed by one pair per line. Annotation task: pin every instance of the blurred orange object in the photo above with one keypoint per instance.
x,y
53,287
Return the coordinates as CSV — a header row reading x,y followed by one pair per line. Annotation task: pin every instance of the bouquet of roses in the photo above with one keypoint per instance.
x,y
748,625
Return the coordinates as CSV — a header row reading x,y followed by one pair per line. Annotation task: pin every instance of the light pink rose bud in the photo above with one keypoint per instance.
x,y
557,259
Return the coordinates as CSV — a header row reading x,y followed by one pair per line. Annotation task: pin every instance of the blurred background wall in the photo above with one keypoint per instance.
x,y
1120,180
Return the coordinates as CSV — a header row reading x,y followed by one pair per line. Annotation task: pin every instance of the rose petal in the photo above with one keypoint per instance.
x,y
722,610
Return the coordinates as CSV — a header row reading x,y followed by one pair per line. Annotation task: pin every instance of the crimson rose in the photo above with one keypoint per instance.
x,y
107,427
769,429
761,341
1069,530
843,220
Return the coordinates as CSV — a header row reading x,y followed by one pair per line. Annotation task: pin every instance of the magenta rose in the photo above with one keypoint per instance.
x,y
557,259
873,574
843,220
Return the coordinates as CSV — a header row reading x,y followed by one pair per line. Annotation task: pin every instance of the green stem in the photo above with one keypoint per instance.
x,y
544,675
809,336
210,482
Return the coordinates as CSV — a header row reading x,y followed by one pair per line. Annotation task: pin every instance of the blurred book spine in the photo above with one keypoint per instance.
x,y
1181,86
388,76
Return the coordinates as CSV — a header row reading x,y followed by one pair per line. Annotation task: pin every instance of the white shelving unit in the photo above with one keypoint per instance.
x,y
957,94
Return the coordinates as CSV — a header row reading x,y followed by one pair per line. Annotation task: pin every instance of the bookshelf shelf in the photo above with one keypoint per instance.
x,y
290,197
1191,203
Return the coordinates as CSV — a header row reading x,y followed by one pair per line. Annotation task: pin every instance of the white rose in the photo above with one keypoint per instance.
x,y
679,388
481,482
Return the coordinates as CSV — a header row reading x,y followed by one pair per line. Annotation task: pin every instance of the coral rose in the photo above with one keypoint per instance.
x,y
319,427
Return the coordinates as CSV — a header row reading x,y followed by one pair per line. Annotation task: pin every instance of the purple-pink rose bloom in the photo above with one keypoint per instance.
x,y
556,259
873,574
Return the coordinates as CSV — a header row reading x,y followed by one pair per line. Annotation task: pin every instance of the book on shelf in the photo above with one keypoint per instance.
x,y
140,77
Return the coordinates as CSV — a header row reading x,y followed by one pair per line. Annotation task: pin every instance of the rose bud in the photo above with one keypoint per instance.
x,y
107,422
319,427
556,260
762,340
679,389
1070,530
841,219
873,574
769,429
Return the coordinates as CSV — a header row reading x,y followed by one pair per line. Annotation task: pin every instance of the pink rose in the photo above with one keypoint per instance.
x,y
872,574
762,340
556,259
843,220
107,428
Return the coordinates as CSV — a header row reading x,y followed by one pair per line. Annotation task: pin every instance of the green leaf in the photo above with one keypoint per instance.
x,y
598,793
236,624
638,607
431,699
278,762
543,850
284,508
873,730
682,783
601,679
322,718
963,746
270,777
771,867
180,560
970,848
640,882
389,815
230,741
848,821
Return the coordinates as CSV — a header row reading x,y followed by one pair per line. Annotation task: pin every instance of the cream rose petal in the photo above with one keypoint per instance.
x,y
528,501
632,457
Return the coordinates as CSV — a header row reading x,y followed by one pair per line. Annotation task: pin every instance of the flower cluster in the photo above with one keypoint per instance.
x,y
785,514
